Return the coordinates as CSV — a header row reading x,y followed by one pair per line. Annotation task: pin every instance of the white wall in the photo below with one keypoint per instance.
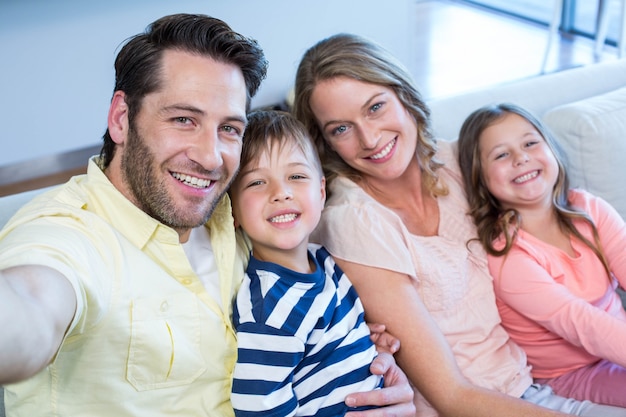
x,y
56,57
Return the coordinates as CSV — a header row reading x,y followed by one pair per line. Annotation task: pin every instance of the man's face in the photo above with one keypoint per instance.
x,y
182,151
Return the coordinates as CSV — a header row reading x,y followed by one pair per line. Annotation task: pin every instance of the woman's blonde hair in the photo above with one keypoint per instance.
x,y
352,56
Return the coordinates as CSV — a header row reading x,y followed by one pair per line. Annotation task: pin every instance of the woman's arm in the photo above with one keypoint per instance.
x,y
391,299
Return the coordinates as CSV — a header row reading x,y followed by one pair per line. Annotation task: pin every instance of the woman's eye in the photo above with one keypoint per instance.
x,y
376,107
338,130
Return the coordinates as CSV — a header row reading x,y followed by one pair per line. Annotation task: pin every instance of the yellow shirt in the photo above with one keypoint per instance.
x,y
147,339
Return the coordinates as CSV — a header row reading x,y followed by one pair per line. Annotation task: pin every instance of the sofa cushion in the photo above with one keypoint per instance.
x,y
593,134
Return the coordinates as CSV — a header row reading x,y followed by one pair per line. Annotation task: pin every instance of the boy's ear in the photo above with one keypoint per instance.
x,y
323,182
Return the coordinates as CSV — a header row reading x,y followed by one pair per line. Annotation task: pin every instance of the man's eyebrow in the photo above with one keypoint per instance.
x,y
184,107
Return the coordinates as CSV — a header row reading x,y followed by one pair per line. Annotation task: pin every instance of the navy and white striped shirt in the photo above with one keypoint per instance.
x,y
303,344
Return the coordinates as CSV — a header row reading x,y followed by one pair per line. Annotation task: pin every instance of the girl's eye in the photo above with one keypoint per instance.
x,y
298,177
531,143
501,155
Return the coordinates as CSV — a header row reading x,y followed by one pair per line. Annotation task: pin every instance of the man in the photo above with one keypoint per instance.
x,y
116,287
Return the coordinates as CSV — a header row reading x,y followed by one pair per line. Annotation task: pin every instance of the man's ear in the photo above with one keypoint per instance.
x,y
118,118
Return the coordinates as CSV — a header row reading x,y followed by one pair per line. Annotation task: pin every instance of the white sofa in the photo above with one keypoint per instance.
x,y
585,107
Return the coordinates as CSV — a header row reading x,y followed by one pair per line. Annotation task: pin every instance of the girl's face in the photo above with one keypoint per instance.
x,y
278,201
518,166
367,125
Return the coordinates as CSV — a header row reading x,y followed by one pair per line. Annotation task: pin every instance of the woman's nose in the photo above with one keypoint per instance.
x,y
369,137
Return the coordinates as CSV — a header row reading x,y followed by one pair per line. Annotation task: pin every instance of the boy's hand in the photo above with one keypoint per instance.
x,y
384,341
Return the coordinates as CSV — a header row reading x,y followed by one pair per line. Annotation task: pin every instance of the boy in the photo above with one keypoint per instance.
x,y
303,344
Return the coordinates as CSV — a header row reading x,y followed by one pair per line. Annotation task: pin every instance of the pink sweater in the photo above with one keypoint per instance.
x,y
564,311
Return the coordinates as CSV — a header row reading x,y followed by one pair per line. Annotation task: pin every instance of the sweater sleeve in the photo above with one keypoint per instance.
x,y
612,230
523,283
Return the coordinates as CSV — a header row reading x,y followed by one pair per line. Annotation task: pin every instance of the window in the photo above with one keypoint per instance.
x,y
579,16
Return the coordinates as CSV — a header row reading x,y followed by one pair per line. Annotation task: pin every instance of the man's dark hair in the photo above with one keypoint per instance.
x,y
138,64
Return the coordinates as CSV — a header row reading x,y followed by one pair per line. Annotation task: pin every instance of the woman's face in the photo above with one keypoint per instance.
x,y
367,125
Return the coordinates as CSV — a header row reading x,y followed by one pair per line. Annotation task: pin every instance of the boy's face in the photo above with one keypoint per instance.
x,y
278,201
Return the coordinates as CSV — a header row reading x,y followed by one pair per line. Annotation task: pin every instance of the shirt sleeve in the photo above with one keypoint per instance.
x,y
367,234
525,286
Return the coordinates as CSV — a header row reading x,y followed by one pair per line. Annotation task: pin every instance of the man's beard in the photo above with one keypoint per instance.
x,y
150,192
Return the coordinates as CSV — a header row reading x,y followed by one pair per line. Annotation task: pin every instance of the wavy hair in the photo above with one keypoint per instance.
x,y
352,56
491,219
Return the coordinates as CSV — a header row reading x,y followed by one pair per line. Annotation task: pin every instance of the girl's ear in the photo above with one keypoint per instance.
x,y
323,190
118,118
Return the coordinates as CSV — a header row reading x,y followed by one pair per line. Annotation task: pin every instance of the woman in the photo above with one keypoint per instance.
x,y
396,223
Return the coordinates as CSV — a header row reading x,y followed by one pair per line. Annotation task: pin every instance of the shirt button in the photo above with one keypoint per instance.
x,y
165,306
187,281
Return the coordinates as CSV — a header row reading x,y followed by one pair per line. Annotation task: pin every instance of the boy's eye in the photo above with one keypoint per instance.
x,y
254,183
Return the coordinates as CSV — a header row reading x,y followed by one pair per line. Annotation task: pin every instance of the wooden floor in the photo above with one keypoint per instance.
x,y
459,47
462,47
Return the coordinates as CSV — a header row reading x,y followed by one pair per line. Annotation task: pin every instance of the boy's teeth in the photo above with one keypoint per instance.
x,y
283,218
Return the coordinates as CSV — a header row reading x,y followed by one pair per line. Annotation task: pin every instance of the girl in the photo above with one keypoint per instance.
x,y
556,254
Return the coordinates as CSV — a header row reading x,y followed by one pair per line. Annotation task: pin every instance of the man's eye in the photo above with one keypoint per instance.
x,y
183,120
231,130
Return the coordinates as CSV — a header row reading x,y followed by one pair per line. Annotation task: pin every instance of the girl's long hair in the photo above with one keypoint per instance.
x,y
491,219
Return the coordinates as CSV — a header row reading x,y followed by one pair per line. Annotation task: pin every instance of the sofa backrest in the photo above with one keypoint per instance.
x,y
584,107
537,94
